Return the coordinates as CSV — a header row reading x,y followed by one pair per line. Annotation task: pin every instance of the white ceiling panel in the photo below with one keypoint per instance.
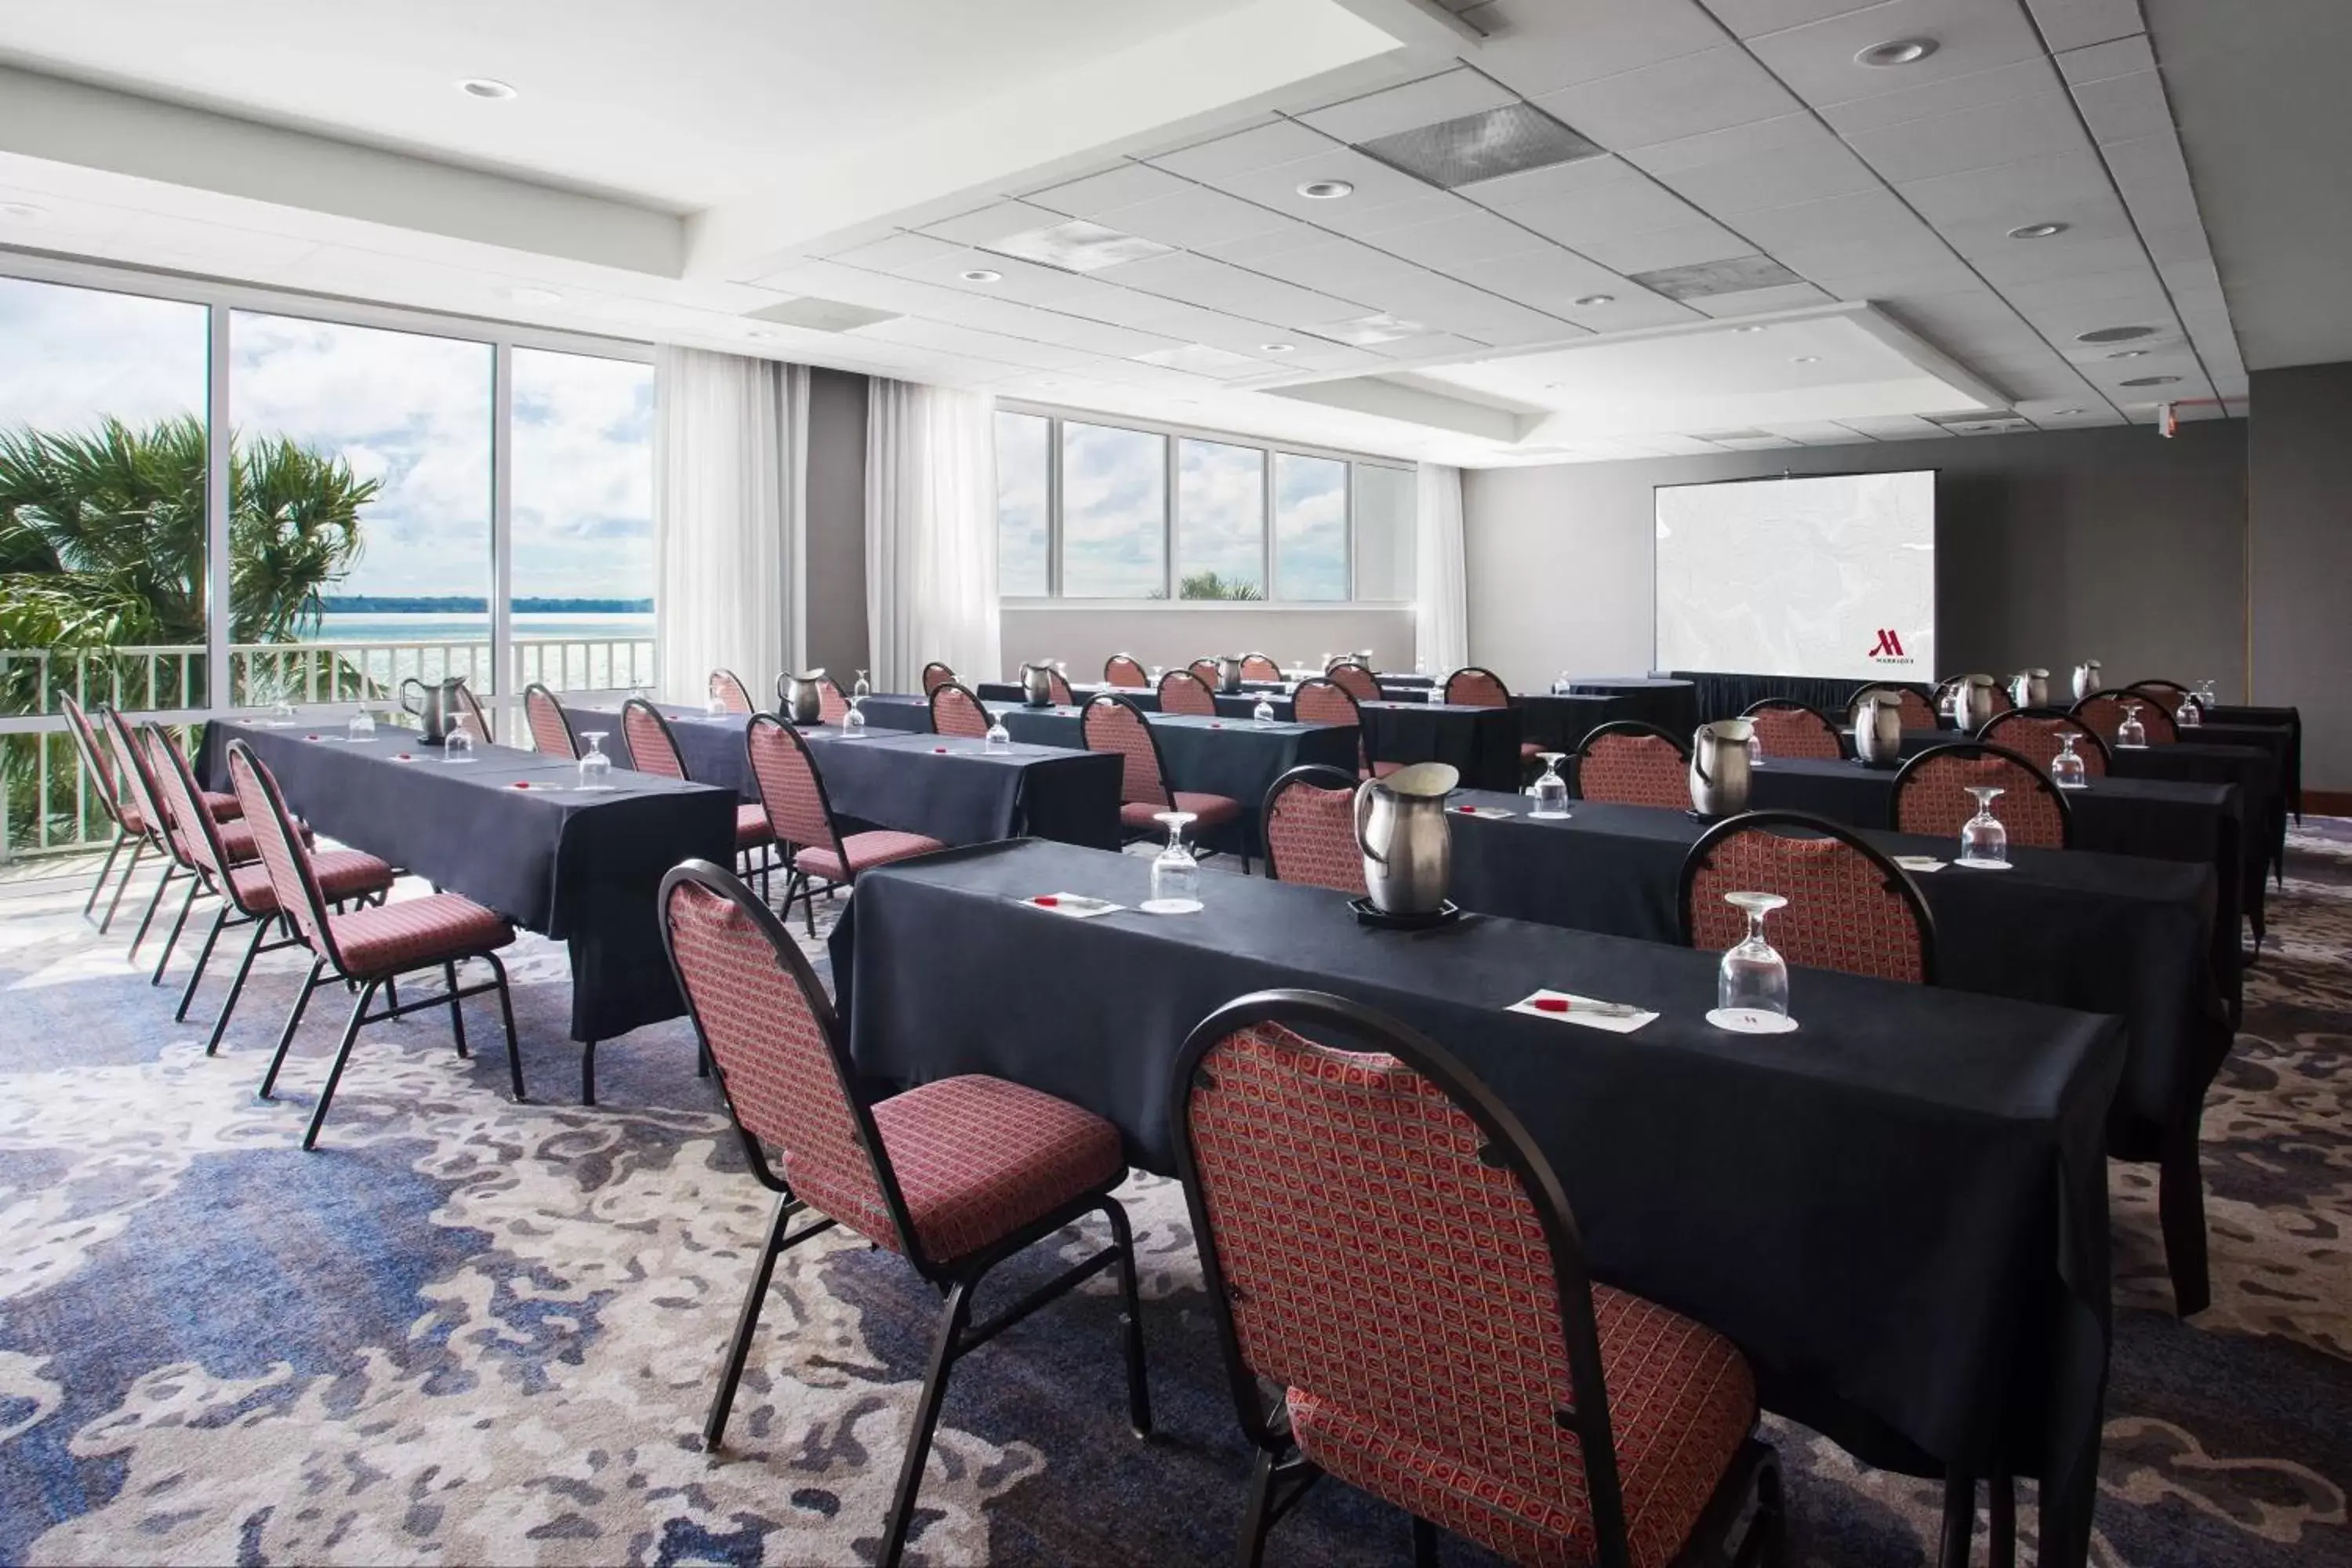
x,y
2121,108
1949,95
2042,261
1817,60
972,343
1860,219
1213,285
1432,101
1276,185
2078,24
990,224
1550,183
1752,19
1283,141
1895,428
1428,345
1633,203
1471,236
1552,280
1124,186
2023,192
1536,47
1194,218
1761,302
1335,265
1741,185
1679,246
1367,223
2022,128
2124,57
1688,96
896,251
2154,179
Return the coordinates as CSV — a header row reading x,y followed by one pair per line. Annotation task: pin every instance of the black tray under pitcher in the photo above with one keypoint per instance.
x,y
1445,914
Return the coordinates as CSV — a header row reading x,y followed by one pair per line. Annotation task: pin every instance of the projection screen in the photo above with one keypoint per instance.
x,y
1832,575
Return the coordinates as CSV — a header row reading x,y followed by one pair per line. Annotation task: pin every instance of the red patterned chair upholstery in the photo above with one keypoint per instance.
x,y
1057,687
1112,723
2170,693
1258,667
816,855
653,749
936,675
1354,680
832,705
1319,700
1125,670
369,947
2103,712
115,800
1850,907
1931,794
1310,830
550,731
732,694
1183,691
1471,687
1918,709
247,898
955,1175
472,717
1786,729
143,809
2032,733
1206,669
956,712
1384,1244
1627,762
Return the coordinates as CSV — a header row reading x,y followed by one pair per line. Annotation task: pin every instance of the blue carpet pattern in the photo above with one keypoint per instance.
x,y
473,1332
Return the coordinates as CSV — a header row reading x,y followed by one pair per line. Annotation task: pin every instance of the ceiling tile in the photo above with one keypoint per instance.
x,y
2124,106
1681,247
2154,179
899,250
1536,47
1432,101
1978,138
990,224
1193,217
1570,179
1123,186
1370,222
1761,301
2124,57
1429,346
2023,192
1775,179
1752,19
1213,285
1854,280
2074,24
1276,186
1817,60
1460,236
1549,280
1997,84
1283,142
1858,216
1612,209
1688,96
2040,260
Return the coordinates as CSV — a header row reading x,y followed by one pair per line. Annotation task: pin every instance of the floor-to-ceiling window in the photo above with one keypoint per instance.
x,y
581,591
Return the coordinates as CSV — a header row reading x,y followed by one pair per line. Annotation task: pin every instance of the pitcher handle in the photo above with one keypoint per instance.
x,y
1363,812
1698,765
406,706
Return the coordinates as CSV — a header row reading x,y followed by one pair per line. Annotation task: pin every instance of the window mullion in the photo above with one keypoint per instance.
x,y
220,692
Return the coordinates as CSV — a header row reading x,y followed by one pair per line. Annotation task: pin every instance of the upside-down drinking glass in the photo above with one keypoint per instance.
x,y
999,738
1175,875
1551,790
363,725
2066,769
459,745
1752,989
2190,713
1262,714
1983,840
2131,731
853,723
861,689
595,767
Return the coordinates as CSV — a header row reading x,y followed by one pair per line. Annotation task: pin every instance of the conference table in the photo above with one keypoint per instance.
x,y
511,831
2281,718
1670,702
2117,934
1724,695
1897,1212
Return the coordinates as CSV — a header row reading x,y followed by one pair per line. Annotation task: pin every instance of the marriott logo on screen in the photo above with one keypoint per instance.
x,y
1889,649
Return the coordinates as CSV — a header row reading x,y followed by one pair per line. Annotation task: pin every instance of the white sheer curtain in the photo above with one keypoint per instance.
x,y
1442,594
930,533
731,488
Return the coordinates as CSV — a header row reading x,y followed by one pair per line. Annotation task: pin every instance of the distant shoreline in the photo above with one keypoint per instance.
x,y
396,605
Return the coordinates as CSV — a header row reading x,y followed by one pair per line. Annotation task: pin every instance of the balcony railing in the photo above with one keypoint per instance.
x,y
46,802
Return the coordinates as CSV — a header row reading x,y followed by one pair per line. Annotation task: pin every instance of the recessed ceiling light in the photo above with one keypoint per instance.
x,y
1597,299
1806,359
2037,231
2114,334
1746,328
1326,190
2066,414
526,295
2128,354
22,212
2152,381
981,275
486,88
1277,348
1897,52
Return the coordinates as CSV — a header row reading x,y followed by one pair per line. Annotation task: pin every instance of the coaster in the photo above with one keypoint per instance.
x,y
1367,913
1983,865
1751,1021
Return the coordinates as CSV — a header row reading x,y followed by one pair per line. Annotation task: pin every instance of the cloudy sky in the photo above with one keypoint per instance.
x,y
409,410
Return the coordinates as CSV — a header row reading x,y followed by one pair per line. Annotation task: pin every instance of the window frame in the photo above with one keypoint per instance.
x,y
1171,521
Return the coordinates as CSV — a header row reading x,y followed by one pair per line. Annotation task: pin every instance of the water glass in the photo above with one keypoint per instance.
x,y
2066,769
1983,840
595,767
460,746
1175,875
853,723
2131,731
363,725
1551,790
1752,989
1263,712
999,738
2189,714
861,690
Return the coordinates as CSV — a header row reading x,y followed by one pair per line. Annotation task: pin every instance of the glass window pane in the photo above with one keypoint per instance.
x,y
1310,527
1114,513
366,458
1220,521
1024,540
1385,501
584,521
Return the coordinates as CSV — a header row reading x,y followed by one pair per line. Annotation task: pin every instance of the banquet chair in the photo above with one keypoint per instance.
x,y
1310,829
2103,712
729,688
1258,667
1206,669
1628,762
1125,670
550,728
1790,729
369,947
2170,693
472,717
1850,907
955,1175
120,810
832,707
1471,687
2032,733
144,805
1183,691
956,712
1385,1245
1919,712
817,857
936,675
1354,680
653,749
243,886
1931,794
1057,688
1319,700
1112,723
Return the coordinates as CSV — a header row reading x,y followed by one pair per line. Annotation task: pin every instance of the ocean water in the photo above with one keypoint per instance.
x,y
439,627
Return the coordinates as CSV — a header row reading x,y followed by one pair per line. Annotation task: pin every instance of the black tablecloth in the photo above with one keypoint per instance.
x,y
1898,1212
583,869
1726,696
1558,721
1670,702
710,745
897,711
1482,742
2197,755
2288,719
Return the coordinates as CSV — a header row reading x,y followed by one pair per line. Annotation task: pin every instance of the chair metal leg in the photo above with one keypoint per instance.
x,y
456,1009
203,956
2180,1213
1424,1543
154,901
747,1322
138,848
293,1022
392,993
1959,1520
1139,1391
588,1072
342,1054
2002,1551
506,1015
1259,1518
105,871
236,986
195,886
952,1319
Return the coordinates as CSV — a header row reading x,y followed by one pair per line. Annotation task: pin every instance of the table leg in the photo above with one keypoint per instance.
x,y
2180,1209
1959,1520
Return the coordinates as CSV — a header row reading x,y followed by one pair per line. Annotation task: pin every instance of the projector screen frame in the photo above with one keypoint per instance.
x,y
1935,562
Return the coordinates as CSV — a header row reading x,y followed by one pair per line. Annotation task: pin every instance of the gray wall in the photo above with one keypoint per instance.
x,y
2300,463
836,524
1170,637
2051,547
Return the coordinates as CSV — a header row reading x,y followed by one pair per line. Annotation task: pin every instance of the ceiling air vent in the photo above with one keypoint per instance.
x,y
824,315
1724,437
1077,247
1507,140
1981,423
1705,279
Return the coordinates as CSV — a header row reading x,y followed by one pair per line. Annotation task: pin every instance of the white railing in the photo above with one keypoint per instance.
x,y
46,802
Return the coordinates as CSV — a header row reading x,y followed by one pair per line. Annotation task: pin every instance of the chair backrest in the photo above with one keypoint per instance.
x,y
131,778
652,748
729,688
1850,907
956,712
1057,687
1258,667
936,675
1627,762
1931,794
1311,1173
194,836
1310,829
799,812
92,751
292,882
1206,669
2103,712
832,705
1112,723
1125,670
473,716
783,1068
1354,680
1919,712
550,731
1787,728
1319,700
2171,693
2032,733
1471,687
1183,691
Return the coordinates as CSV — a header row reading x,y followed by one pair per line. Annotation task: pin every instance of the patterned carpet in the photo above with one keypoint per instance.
x,y
472,1332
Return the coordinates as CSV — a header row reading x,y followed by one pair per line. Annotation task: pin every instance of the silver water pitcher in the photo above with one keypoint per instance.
x,y
1878,730
438,706
1972,703
1406,842
1037,684
802,704
1229,672
2029,688
1718,767
2088,676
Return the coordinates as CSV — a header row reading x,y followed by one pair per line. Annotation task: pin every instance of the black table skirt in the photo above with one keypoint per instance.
x,y
2288,719
1898,1213
897,711
583,869
1482,742
1558,721
2197,755
1726,696
1668,701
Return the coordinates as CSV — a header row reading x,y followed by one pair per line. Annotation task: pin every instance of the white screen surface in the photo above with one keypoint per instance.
x,y
1833,576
